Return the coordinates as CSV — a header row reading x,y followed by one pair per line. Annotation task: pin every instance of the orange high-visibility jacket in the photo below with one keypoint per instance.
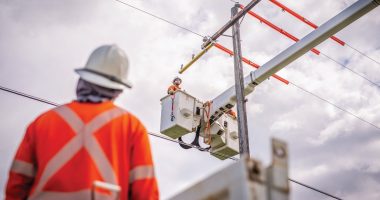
x,y
173,88
67,148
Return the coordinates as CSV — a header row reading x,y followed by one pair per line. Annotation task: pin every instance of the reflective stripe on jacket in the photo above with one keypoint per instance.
x,y
67,148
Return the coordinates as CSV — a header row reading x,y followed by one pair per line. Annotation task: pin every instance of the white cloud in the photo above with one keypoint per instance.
x,y
334,129
310,173
284,125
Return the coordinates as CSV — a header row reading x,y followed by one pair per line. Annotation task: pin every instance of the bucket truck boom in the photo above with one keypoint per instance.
x,y
188,110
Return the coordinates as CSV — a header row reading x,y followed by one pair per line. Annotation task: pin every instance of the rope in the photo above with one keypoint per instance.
x,y
208,125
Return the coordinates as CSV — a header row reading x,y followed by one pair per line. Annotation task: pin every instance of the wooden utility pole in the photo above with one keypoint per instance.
x,y
239,87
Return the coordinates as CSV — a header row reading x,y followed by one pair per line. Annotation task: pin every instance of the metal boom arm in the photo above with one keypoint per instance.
x,y
227,99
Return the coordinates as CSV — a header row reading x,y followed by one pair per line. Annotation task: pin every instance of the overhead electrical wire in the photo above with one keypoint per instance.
x,y
336,106
363,54
160,18
28,96
351,70
312,188
158,136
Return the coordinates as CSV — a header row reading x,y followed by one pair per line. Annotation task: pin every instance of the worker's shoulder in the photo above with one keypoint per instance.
x,y
132,118
52,113
132,124
128,115
44,118
48,115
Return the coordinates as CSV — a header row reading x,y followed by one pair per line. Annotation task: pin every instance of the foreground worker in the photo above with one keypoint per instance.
x,y
176,86
67,149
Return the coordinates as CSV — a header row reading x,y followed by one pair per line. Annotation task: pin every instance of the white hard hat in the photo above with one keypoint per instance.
x,y
107,66
177,78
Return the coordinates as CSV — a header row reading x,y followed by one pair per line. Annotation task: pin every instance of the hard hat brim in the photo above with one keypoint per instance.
x,y
102,81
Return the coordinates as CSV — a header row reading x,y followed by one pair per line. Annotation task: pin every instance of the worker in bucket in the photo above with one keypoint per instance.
x,y
89,148
176,85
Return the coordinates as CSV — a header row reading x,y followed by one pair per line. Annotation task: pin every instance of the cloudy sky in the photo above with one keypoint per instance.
x,y
41,42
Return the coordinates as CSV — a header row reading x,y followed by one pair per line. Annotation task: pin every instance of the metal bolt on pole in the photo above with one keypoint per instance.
x,y
239,87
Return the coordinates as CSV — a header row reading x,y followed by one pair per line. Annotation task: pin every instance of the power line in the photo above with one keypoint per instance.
x,y
156,135
351,70
28,96
312,188
336,106
363,54
160,18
